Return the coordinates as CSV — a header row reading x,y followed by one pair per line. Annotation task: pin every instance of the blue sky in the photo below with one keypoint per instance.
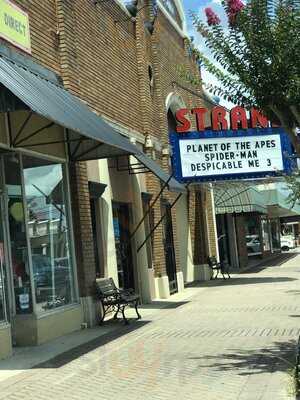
x,y
199,6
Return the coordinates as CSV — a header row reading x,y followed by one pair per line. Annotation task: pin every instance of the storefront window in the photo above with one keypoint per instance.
x,y
45,194
17,231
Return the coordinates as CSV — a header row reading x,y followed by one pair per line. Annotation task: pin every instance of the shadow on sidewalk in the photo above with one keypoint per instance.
x,y
278,358
240,281
275,261
114,331
157,305
76,352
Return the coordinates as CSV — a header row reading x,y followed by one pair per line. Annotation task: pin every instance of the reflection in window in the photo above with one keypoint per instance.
x,y
253,241
275,234
266,235
48,233
17,231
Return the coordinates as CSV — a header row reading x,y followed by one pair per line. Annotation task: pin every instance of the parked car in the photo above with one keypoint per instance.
x,y
43,276
253,244
287,243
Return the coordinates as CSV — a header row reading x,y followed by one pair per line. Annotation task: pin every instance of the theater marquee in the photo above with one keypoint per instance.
x,y
222,155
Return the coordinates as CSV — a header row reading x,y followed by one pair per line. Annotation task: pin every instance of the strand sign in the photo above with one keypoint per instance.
x,y
247,149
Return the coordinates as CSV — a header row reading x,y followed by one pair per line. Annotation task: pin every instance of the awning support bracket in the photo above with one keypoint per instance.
x,y
76,149
159,222
27,119
150,207
17,144
53,142
135,168
89,150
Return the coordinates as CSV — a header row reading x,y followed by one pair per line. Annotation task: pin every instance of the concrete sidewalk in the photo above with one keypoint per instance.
x,y
220,340
25,358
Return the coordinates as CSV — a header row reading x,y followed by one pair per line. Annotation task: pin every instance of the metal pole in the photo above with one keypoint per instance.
x,y
159,222
151,206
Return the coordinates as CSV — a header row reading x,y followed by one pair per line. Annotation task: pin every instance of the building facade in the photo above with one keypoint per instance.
x,y
85,164
254,222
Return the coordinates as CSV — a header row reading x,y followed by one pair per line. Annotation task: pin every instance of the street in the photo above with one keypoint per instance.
x,y
232,339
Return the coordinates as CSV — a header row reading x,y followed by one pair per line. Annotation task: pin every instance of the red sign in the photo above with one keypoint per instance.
x,y
238,119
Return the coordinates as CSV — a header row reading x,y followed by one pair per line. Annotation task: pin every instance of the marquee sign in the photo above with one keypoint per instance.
x,y
222,154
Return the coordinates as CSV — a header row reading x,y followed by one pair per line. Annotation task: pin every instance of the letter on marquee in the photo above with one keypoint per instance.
x,y
258,119
185,123
200,112
238,114
219,118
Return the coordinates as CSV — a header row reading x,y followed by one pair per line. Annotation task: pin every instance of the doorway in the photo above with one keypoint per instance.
x,y
223,244
169,247
96,236
121,224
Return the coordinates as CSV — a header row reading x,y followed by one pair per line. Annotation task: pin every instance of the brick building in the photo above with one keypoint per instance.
x,y
78,176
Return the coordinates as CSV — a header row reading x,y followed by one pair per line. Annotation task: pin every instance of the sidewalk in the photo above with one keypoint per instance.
x,y
25,358
228,339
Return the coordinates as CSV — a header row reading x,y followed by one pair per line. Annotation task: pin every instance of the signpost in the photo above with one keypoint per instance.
x,y
231,154
14,25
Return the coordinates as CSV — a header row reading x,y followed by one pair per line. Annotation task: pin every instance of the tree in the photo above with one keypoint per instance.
x,y
257,58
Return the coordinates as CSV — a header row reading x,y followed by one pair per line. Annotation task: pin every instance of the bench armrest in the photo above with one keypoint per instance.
x,y
126,291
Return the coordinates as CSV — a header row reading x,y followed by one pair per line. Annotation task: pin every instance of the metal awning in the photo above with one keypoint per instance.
x,y
238,198
173,185
89,137
278,204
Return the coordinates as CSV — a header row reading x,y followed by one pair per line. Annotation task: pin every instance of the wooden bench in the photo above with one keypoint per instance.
x,y
217,266
114,299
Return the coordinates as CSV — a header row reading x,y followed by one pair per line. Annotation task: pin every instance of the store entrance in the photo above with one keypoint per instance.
x,y
123,246
35,263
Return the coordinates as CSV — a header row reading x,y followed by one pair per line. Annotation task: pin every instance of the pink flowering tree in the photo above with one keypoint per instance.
x,y
256,57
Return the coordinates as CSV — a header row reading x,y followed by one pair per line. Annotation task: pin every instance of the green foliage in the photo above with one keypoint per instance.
x,y
293,186
258,59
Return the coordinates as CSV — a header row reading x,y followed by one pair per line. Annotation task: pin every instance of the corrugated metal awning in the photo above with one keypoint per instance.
x,y
58,105
173,185
88,135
